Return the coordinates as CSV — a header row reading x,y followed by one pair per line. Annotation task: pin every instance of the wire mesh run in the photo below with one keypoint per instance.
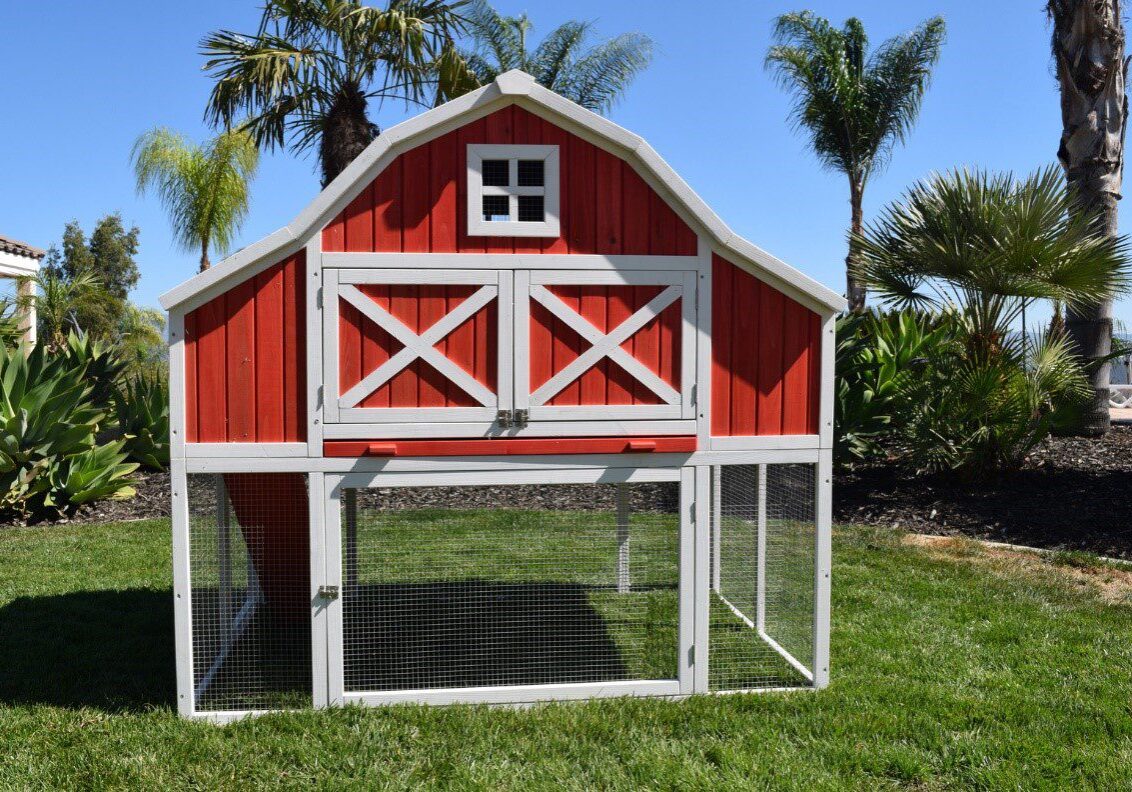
x,y
763,543
249,570
456,587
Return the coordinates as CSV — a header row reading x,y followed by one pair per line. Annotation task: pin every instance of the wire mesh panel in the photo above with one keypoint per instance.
x,y
762,576
249,570
457,587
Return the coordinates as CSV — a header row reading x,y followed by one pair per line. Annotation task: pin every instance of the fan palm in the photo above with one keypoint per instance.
x,y
855,105
593,76
306,76
204,188
1088,53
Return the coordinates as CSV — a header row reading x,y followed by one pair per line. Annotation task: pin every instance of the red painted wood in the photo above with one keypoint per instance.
x,y
192,426
765,358
796,362
591,387
273,512
771,315
246,353
722,324
745,307
510,446
359,222
619,387
269,326
212,371
605,205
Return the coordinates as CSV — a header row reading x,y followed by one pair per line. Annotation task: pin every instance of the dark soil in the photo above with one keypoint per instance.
x,y
1072,494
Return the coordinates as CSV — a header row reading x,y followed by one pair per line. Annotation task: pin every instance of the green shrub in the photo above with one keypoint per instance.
x,y
102,363
142,408
50,460
883,369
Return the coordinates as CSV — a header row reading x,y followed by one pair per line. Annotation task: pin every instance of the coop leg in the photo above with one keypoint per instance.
x,y
760,554
224,558
716,528
623,581
350,504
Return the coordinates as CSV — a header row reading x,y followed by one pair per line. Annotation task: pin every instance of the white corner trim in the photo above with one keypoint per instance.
x,y
510,88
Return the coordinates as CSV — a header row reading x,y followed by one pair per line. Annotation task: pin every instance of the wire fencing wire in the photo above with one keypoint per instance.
x,y
763,540
548,586
249,575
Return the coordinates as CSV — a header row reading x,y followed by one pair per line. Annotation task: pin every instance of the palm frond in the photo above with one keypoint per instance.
x,y
599,79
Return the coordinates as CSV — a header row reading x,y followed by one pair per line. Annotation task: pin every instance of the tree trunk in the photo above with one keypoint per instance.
x,y
346,133
1088,50
204,262
854,289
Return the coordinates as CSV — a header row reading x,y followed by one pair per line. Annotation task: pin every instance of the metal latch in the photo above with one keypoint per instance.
x,y
503,418
328,592
520,418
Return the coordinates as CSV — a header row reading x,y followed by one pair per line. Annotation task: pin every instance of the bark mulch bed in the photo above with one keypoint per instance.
x,y
1072,494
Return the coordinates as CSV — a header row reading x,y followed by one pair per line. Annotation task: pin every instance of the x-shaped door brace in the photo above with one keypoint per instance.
x,y
605,345
416,346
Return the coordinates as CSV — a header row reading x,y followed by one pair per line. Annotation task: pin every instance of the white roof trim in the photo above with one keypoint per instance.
x,y
507,87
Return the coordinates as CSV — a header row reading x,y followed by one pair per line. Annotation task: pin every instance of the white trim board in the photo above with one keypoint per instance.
x,y
514,87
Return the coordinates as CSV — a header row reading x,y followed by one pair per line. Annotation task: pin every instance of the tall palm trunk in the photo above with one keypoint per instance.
x,y
854,288
1088,50
346,133
204,262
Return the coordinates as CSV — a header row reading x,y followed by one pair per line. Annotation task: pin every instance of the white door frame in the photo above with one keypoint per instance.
x,y
334,575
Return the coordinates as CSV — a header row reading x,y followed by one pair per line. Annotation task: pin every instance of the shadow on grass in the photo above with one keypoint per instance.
x,y
473,633
107,649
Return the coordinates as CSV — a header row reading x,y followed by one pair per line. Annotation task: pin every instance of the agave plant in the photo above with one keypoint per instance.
x,y
101,362
142,408
50,460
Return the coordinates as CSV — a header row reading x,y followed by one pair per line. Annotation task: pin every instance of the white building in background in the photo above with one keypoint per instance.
x,y
20,260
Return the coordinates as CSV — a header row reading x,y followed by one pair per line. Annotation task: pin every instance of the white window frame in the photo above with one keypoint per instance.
x,y
551,225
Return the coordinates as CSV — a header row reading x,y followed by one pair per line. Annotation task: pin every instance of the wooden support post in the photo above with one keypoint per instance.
x,y
716,528
623,579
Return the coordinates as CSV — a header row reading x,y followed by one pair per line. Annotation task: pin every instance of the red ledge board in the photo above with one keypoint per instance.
x,y
509,446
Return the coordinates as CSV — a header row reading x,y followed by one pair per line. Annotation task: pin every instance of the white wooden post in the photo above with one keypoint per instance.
x,y
623,580
760,553
25,302
823,556
716,528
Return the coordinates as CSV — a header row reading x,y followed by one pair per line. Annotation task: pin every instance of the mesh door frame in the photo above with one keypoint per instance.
x,y
333,575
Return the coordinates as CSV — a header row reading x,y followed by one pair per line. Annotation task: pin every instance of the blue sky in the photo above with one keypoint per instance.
x,y
85,79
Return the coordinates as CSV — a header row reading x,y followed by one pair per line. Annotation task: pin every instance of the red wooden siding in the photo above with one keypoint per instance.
x,y
418,204
363,346
245,354
554,345
765,358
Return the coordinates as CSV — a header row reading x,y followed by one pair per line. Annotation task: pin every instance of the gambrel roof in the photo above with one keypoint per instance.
x,y
514,87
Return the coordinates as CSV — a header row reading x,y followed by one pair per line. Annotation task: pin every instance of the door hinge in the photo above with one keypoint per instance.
x,y
328,592
503,418
508,418
520,418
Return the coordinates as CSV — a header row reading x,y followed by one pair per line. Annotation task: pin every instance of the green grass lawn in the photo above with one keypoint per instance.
x,y
950,670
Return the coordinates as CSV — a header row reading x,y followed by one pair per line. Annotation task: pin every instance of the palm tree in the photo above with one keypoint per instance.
x,y
306,76
975,249
58,302
1088,53
593,76
855,105
203,187
988,245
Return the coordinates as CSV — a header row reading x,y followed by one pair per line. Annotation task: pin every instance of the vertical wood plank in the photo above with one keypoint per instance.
x,y
567,346
796,359
334,235
592,300
212,371
662,227
813,385
499,130
405,304
295,348
269,323
609,203
619,388
769,421
528,132
387,209
377,347
432,391
192,399
635,230
241,363
444,176
555,136
359,223
415,201
721,331
582,202
646,346
745,336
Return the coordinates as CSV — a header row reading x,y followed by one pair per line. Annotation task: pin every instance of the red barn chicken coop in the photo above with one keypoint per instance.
x,y
506,414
